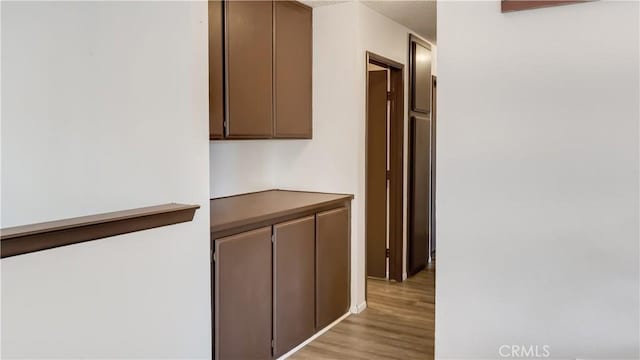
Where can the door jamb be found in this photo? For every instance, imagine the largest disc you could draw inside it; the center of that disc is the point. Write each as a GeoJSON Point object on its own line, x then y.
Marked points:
{"type": "Point", "coordinates": [396, 161]}
{"type": "Point", "coordinates": [434, 126]}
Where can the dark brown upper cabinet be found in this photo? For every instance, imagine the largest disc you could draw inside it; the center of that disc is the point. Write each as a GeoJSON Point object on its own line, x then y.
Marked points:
{"type": "Point", "coordinates": [249, 69]}
{"type": "Point", "coordinates": [260, 72]}
{"type": "Point", "coordinates": [421, 75]}
{"type": "Point", "coordinates": [216, 79]}
{"type": "Point", "coordinates": [292, 70]}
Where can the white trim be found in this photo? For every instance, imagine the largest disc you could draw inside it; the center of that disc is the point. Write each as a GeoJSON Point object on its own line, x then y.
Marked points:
{"type": "Point", "coordinates": [316, 335]}
{"type": "Point", "coordinates": [404, 276]}
{"type": "Point", "coordinates": [357, 309]}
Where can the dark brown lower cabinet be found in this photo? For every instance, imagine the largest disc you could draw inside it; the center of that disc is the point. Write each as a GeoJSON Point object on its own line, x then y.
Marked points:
{"type": "Point", "coordinates": [332, 265]}
{"type": "Point", "coordinates": [243, 296]}
{"type": "Point", "coordinates": [293, 283]}
{"type": "Point", "coordinates": [281, 278]}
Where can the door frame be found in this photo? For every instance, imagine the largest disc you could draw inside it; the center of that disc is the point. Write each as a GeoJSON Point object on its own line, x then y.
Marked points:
{"type": "Point", "coordinates": [434, 127]}
{"type": "Point", "coordinates": [396, 162]}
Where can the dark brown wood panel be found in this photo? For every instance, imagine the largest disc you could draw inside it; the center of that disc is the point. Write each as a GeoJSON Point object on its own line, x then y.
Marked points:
{"type": "Point", "coordinates": [292, 71]}
{"type": "Point", "coordinates": [294, 283]}
{"type": "Point", "coordinates": [434, 125]}
{"type": "Point", "coordinates": [234, 214]}
{"type": "Point", "coordinates": [421, 77]}
{"type": "Point", "coordinates": [516, 5]}
{"type": "Point", "coordinates": [332, 266]}
{"type": "Point", "coordinates": [249, 69]}
{"type": "Point", "coordinates": [376, 167]}
{"type": "Point", "coordinates": [396, 179]}
{"type": "Point", "coordinates": [421, 159]}
{"type": "Point", "coordinates": [216, 69]}
{"type": "Point", "coordinates": [420, 187]}
{"type": "Point", "coordinates": [243, 296]}
{"type": "Point", "coordinates": [35, 237]}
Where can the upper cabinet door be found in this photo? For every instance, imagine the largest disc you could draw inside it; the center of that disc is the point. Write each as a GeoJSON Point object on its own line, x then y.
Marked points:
{"type": "Point", "coordinates": [292, 71]}
{"type": "Point", "coordinates": [216, 79]}
{"type": "Point", "coordinates": [421, 77]}
{"type": "Point", "coordinates": [249, 36]}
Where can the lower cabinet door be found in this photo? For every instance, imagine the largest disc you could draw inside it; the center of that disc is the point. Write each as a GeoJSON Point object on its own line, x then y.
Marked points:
{"type": "Point", "coordinates": [243, 296]}
{"type": "Point", "coordinates": [294, 283]}
{"type": "Point", "coordinates": [332, 266]}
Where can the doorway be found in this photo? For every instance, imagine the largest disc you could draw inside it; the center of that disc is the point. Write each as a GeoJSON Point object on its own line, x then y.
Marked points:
{"type": "Point", "coordinates": [384, 167]}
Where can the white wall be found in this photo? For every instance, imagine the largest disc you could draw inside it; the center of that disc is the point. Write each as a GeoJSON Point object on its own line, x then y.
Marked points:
{"type": "Point", "coordinates": [105, 108]}
{"type": "Point", "coordinates": [537, 202]}
{"type": "Point", "coordinates": [241, 166]}
{"type": "Point", "coordinates": [334, 160]}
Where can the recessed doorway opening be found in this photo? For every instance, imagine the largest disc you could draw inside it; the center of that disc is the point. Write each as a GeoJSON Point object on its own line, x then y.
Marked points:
{"type": "Point", "coordinates": [384, 168]}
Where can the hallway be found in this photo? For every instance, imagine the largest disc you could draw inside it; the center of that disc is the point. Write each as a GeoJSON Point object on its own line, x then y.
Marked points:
{"type": "Point", "coordinates": [397, 324]}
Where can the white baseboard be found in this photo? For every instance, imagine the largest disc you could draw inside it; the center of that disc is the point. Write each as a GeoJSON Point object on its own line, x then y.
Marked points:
{"type": "Point", "coordinates": [357, 309]}
{"type": "Point", "coordinates": [315, 336]}
{"type": "Point", "coordinates": [404, 276]}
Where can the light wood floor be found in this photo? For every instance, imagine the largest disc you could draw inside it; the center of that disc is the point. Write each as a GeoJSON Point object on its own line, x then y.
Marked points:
{"type": "Point", "coordinates": [397, 324]}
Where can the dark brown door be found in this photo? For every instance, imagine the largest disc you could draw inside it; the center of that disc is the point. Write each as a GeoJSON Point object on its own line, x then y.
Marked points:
{"type": "Point", "coordinates": [216, 80]}
{"type": "Point", "coordinates": [376, 183]}
{"type": "Point", "coordinates": [243, 296]}
{"type": "Point", "coordinates": [332, 266]}
{"type": "Point", "coordinates": [249, 69]}
{"type": "Point", "coordinates": [420, 189]}
{"type": "Point", "coordinates": [294, 279]}
{"type": "Point", "coordinates": [293, 51]}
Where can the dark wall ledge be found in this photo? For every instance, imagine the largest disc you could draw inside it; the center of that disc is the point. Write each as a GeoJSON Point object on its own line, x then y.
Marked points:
{"type": "Point", "coordinates": [35, 237]}
{"type": "Point", "coordinates": [517, 5]}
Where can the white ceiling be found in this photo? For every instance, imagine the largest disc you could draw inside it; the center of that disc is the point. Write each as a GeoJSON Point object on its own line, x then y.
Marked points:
{"type": "Point", "coordinates": [419, 16]}
{"type": "Point", "coordinates": [317, 3]}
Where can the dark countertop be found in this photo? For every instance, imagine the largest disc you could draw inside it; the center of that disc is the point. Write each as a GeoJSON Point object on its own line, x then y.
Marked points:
{"type": "Point", "coordinates": [244, 212]}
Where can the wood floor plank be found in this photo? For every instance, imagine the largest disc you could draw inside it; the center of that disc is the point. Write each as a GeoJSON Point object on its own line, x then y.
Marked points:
{"type": "Point", "coordinates": [398, 324]}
